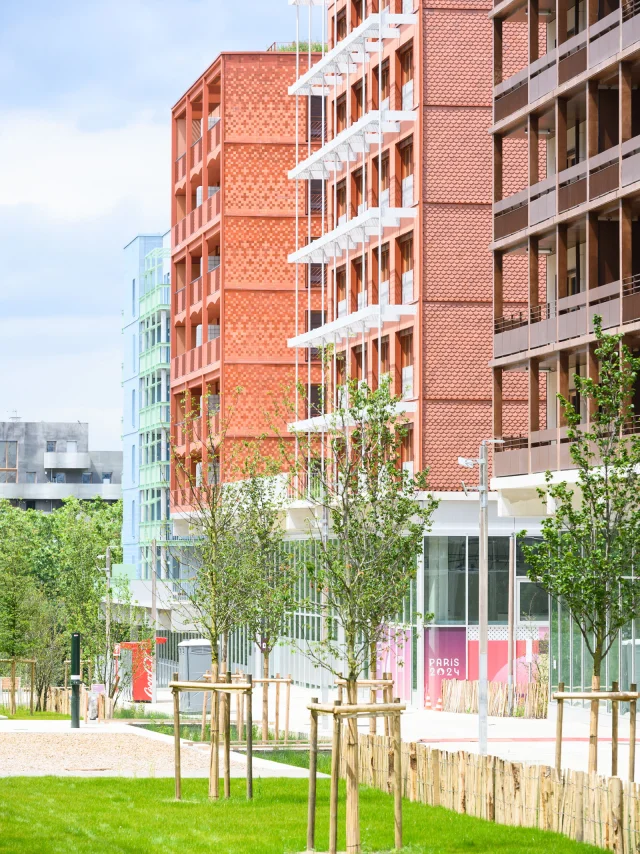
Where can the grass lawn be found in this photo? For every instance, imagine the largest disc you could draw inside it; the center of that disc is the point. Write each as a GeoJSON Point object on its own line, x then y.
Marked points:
{"type": "Point", "coordinates": [300, 758]}
{"type": "Point", "coordinates": [22, 714]}
{"type": "Point", "coordinates": [57, 815]}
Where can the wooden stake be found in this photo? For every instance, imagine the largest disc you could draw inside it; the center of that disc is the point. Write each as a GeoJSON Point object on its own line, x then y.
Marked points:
{"type": "Point", "coordinates": [593, 728]}
{"type": "Point", "coordinates": [352, 775]}
{"type": "Point", "coordinates": [287, 705]}
{"type": "Point", "coordinates": [397, 782]}
{"type": "Point", "coordinates": [386, 698]}
{"type": "Point", "coordinates": [250, 738]}
{"type": "Point", "coordinates": [214, 766]}
{"type": "Point", "coordinates": [373, 728]}
{"type": "Point", "coordinates": [614, 733]}
{"type": "Point", "coordinates": [176, 737]}
{"type": "Point", "coordinates": [227, 742]}
{"type": "Point", "coordinates": [579, 806]}
{"type": "Point", "coordinates": [241, 718]}
{"type": "Point", "coordinates": [277, 734]}
{"type": "Point", "coordinates": [616, 813]}
{"type": "Point", "coordinates": [12, 705]}
{"type": "Point", "coordinates": [632, 734]}
{"type": "Point", "coordinates": [335, 776]}
{"type": "Point", "coordinates": [313, 767]}
{"type": "Point", "coordinates": [559, 712]}
{"type": "Point", "coordinates": [33, 686]}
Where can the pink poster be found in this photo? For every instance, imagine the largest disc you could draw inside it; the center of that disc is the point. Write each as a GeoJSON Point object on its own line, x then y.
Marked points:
{"type": "Point", "coordinates": [445, 653]}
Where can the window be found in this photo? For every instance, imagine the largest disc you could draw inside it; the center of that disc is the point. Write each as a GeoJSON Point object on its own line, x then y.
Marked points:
{"type": "Point", "coordinates": [72, 447]}
{"type": "Point", "coordinates": [106, 476]}
{"type": "Point", "coordinates": [383, 288]}
{"type": "Point", "coordinates": [51, 446]}
{"type": "Point", "coordinates": [133, 297]}
{"type": "Point", "coordinates": [406, 79]}
{"type": "Point", "coordinates": [533, 602]}
{"type": "Point", "coordinates": [31, 477]}
{"type": "Point", "coordinates": [59, 477]}
{"type": "Point", "coordinates": [498, 579]}
{"type": "Point", "coordinates": [341, 25]}
{"type": "Point", "coordinates": [359, 104]}
{"type": "Point", "coordinates": [445, 579]}
{"type": "Point", "coordinates": [315, 319]}
{"type": "Point", "coordinates": [318, 111]}
{"type": "Point", "coordinates": [385, 183]}
{"type": "Point", "coordinates": [341, 290]}
{"type": "Point", "coordinates": [406, 268]}
{"type": "Point", "coordinates": [359, 192]}
{"type": "Point", "coordinates": [406, 360]}
{"type": "Point", "coordinates": [8, 455]}
{"type": "Point", "coordinates": [316, 198]}
{"type": "Point", "coordinates": [341, 202]}
{"type": "Point", "coordinates": [133, 463]}
{"type": "Point", "coordinates": [7, 476]}
{"type": "Point", "coordinates": [406, 173]}
{"type": "Point", "coordinates": [133, 407]}
{"type": "Point", "coordinates": [341, 113]}
{"type": "Point", "coordinates": [385, 86]}
{"type": "Point", "coordinates": [86, 477]}
{"type": "Point", "coordinates": [315, 400]}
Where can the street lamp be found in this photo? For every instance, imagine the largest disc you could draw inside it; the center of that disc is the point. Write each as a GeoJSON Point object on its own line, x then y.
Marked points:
{"type": "Point", "coordinates": [482, 461]}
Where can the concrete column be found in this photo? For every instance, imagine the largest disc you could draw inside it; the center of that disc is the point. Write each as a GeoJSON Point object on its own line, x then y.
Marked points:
{"type": "Point", "coordinates": [533, 144]}
{"type": "Point", "coordinates": [497, 402]}
{"type": "Point", "coordinates": [534, 24]}
{"type": "Point", "coordinates": [626, 249]}
{"type": "Point", "coordinates": [561, 135]}
{"type": "Point", "coordinates": [497, 167]}
{"type": "Point", "coordinates": [497, 51]}
{"type": "Point", "coordinates": [592, 117]}
{"type": "Point", "coordinates": [624, 112]}
{"type": "Point", "coordinates": [498, 286]}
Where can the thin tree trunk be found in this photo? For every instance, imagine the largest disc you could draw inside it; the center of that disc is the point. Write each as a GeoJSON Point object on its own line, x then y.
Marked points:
{"type": "Point", "coordinates": [265, 697]}
{"type": "Point", "coordinates": [353, 813]}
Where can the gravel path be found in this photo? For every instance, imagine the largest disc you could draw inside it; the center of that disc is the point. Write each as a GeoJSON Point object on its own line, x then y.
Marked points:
{"type": "Point", "coordinates": [98, 754]}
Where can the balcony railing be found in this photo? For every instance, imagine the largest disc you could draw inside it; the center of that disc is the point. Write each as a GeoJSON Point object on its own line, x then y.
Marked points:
{"type": "Point", "coordinates": [600, 42]}
{"type": "Point", "coordinates": [407, 191]}
{"type": "Point", "coordinates": [407, 382]}
{"type": "Point", "coordinates": [196, 219]}
{"type": "Point", "coordinates": [568, 317]}
{"type": "Point", "coordinates": [316, 275]}
{"type": "Point", "coordinates": [407, 287]}
{"type": "Point", "coordinates": [214, 135]}
{"type": "Point", "coordinates": [196, 152]}
{"type": "Point", "coordinates": [200, 357]}
{"type": "Point", "coordinates": [180, 167]}
{"type": "Point", "coordinates": [181, 300]}
{"type": "Point", "coordinates": [604, 173]}
{"type": "Point", "coordinates": [213, 279]}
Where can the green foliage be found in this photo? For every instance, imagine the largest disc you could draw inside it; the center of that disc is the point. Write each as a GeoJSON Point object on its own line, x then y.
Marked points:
{"type": "Point", "coordinates": [588, 551]}
{"type": "Point", "coordinates": [368, 526]}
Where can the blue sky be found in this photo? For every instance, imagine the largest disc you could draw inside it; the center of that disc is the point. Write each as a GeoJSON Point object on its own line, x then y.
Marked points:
{"type": "Point", "coordinates": [85, 92]}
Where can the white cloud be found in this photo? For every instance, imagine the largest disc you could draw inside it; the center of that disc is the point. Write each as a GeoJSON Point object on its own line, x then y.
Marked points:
{"type": "Point", "coordinates": [83, 174]}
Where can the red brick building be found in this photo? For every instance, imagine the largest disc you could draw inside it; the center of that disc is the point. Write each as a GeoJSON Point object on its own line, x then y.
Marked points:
{"type": "Point", "coordinates": [407, 165]}
{"type": "Point", "coordinates": [233, 218]}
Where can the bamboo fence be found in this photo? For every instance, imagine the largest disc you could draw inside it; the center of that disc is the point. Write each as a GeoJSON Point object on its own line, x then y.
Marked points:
{"type": "Point", "coordinates": [59, 700]}
{"type": "Point", "coordinates": [585, 807]}
{"type": "Point", "coordinates": [529, 701]}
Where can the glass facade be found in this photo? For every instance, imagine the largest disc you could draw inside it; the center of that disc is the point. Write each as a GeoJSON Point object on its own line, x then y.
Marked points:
{"type": "Point", "coordinates": [451, 572]}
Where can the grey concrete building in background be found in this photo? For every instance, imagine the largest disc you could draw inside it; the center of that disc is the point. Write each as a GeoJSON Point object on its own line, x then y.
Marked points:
{"type": "Point", "coordinates": [43, 462]}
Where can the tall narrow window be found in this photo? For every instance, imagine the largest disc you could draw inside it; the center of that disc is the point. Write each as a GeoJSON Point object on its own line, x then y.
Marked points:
{"type": "Point", "coordinates": [315, 196]}
{"type": "Point", "coordinates": [406, 78]}
{"type": "Point", "coordinates": [406, 364]}
{"type": "Point", "coordinates": [341, 288]}
{"type": "Point", "coordinates": [406, 173]}
{"type": "Point", "coordinates": [341, 113]}
{"type": "Point", "coordinates": [133, 463]}
{"type": "Point", "coordinates": [406, 261]}
{"type": "Point", "coordinates": [359, 95]}
{"type": "Point", "coordinates": [133, 297]}
{"type": "Point", "coordinates": [341, 25]}
{"type": "Point", "coordinates": [317, 126]}
{"type": "Point", "coordinates": [314, 319]}
{"type": "Point", "coordinates": [359, 201]}
{"type": "Point", "coordinates": [315, 400]}
{"type": "Point", "coordinates": [385, 183]}
{"type": "Point", "coordinates": [341, 202]}
{"type": "Point", "coordinates": [133, 407]}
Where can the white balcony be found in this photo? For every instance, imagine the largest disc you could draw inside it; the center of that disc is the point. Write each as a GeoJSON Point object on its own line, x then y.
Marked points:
{"type": "Point", "coordinates": [342, 308]}
{"type": "Point", "coordinates": [333, 421]}
{"type": "Point", "coordinates": [362, 300]}
{"type": "Point", "coordinates": [69, 460]}
{"type": "Point", "coordinates": [348, 235]}
{"type": "Point", "coordinates": [350, 53]}
{"type": "Point", "coordinates": [352, 325]}
{"type": "Point", "coordinates": [346, 146]}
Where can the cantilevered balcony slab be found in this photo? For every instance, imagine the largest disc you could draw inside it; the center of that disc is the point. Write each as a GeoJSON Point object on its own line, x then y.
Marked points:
{"type": "Point", "coordinates": [352, 325]}
{"type": "Point", "coordinates": [351, 142]}
{"type": "Point", "coordinates": [351, 52]}
{"type": "Point", "coordinates": [349, 234]}
{"type": "Point", "coordinates": [332, 421]}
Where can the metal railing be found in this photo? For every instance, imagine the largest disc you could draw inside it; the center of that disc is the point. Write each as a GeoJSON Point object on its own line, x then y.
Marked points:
{"type": "Point", "coordinates": [512, 443]}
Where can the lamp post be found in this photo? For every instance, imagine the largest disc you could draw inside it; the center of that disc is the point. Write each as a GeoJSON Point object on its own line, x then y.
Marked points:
{"type": "Point", "coordinates": [482, 461]}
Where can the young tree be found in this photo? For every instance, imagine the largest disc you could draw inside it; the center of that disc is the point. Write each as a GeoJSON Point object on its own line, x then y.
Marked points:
{"type": "Point", "coordinates": [214, 577]}
{"type": "Point", "coordinates": [262, 499]}
{"type": "Point", "coordinates": [17, 587]}
{"type": "Point", "coordinates": [368, 531]}
{"type": "Point", "coordinates": [587, 557]}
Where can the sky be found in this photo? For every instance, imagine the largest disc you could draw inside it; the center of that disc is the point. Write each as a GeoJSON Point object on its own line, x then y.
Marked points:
{"type": "Point", "coordinates": [86, 90]}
